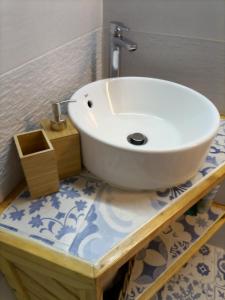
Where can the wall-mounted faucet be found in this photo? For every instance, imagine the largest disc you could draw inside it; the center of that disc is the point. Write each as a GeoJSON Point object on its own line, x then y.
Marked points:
{"type": "Point", "coordinates": [118, 41]}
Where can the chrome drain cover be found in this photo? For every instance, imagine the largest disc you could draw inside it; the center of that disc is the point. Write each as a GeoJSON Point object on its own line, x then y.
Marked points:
{"type": "Point", "coordinates": [137, 139]}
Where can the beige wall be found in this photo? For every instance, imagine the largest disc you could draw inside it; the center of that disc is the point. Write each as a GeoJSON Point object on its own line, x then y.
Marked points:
{"type": "Point", "coordinates": [178, 40]}
{"type": "Point", "coordinates": [193, 18]}
{"type": "Point", "coordinates": [30, 28]}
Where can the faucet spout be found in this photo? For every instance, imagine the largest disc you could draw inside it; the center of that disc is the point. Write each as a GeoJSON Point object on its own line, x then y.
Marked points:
{"type": "Point", "coordinates": [125, 43]}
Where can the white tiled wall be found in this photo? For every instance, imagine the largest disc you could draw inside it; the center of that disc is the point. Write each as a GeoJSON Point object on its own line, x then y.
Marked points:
{"type": "Point", "coordinates": [196, 63]}
{"type": "Point", "coordinates": [48, 50]}
{"type": "Point", "coordinates": [30, 28]}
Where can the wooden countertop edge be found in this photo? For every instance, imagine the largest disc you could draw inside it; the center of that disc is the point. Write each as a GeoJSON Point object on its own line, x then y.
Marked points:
{"type": "Point", "coordinates": [128, 247]}
{"type": "Point", "coordinates": [184, 258]}
{"type": "Point", "coordinates": [125, 249]}
{"type": "Point", "coordinates": [38, 251]}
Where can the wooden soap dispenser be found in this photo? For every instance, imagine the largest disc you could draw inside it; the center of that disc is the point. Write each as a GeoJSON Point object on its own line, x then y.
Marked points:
{"type": "Point", "coordinates": [65, 140]}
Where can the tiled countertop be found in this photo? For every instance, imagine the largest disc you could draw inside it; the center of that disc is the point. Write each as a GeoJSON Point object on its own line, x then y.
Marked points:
{"type": "Point", "coordinates": [88, 217]}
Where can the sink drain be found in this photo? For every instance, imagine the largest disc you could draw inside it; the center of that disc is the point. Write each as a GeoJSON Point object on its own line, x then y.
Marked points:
{"type": "Point", "coordinates": [137, 139]}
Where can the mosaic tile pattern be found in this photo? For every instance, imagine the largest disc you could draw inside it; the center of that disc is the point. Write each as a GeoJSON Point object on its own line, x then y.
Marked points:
{"type": "Point", "coordinates": [165, 249]}
{"type": "Point", "coordinates": [202, 278]}
{"type": "Point", "coordinates": [87, 217]}
{"type": "Point", "coordinates": [81, 217]}
{"type": "Point", "coordinates": [56, 219]}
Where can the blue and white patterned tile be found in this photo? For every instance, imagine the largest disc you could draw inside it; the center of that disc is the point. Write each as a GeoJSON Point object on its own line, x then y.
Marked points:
{"type": "Point", "coordinates": [201, 266]}
{"type": "Point", "coordinates": [113, 216]}
{"type": "Point", "coordinates": [219, 293]}
{"type": "Point", "coordinates": [86, 218]}
{"type": "Point", "coordinates": [220, 267]}
{"type": "Point", "coordinates": [164, 250]}
{"type": "Point", "coordinates": [216, 155]}
{"type": "Point", "coordinates": [54, 219]}
{"type": "Point", "coordinates": [186, 285]}
{"type": "Point", "coordinates": [182, 287]}
{"type": "Point", "coordinates": [117, 213]}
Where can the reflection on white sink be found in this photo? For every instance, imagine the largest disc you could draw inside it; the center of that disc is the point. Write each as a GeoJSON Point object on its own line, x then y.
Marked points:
{"type": "Point", "coordinates": [178, 122]}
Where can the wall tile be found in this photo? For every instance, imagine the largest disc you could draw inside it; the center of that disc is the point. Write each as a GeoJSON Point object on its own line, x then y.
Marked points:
{"type": "Point", "coordinates": [196, 63]}
{"type": "Point", "coordinates": [26, 94]}
{"type": "Point", "coordinates": [30, 28]}
{"type": "Point", "coordinates": [193, 18]}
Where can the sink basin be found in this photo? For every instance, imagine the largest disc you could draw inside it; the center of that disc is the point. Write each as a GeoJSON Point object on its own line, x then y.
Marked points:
{"type": "Point", "coordinates": [143, 133]}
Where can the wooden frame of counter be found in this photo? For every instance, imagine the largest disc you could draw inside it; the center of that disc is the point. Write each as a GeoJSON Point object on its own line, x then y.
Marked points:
{"type": "Point", "coordinates": [181, 261]}
{"type": "Point", "coordinates": [24, 257]}
{"type": "Point", "coordinates": [128, 247]}
{"type": "Point", "coordinates": [86, 281]}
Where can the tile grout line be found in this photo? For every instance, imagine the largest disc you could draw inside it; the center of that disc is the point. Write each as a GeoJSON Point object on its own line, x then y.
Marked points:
{"type": "Point", "coordinates": [51, 51]}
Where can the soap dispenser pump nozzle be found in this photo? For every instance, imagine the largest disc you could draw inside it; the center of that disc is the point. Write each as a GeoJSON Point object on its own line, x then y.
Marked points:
{"type": "Point", "coordinates": [58, 123]}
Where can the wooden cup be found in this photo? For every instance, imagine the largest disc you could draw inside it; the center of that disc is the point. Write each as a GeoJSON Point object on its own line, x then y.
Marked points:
{"type": "Point", "coordinates": [38, 160]}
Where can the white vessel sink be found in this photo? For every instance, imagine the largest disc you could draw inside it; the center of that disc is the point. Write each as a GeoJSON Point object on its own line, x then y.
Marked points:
{"type": "Point", "coordinates": [178, 123]}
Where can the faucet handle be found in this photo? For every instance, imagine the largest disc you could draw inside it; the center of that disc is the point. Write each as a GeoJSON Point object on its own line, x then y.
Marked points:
{"type": "Point", "coordinates": [117, 28]}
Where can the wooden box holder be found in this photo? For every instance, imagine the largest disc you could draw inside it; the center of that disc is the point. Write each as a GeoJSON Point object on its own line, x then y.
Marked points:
{"type": "Point", "coordinates": [37, 157]}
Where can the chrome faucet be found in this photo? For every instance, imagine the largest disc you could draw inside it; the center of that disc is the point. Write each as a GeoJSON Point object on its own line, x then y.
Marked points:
{"type": "Point", "coordinates": [118, 41]}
